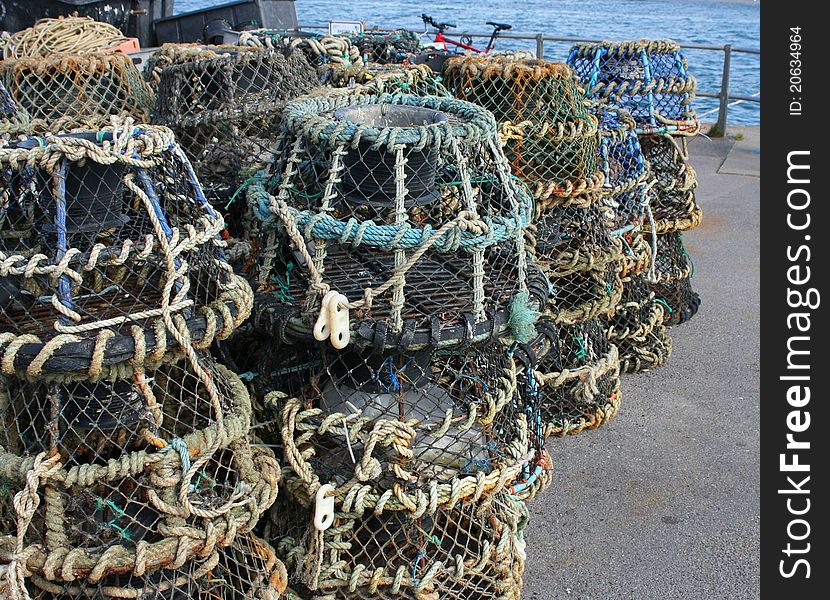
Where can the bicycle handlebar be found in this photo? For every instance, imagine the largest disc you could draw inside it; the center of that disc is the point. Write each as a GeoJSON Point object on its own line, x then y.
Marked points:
{"type": "Point", "coordinates": [439, 26]}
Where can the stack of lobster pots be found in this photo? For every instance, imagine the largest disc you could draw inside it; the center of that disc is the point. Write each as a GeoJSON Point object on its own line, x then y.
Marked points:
{"type": "Point", "coordinates": [553, 144]}
{"type": "Point", "coordinates": [395, 300]}
{"type": "Point", "coordinates": [126, 464]}
{"type": "Point", "coordinates": [636, 325]}
{"type": "Point", "coordinates": [649, 78]}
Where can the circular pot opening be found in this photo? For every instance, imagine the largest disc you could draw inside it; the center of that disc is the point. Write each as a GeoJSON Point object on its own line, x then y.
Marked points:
{"type": "Point", "coordinates": [369, 177]}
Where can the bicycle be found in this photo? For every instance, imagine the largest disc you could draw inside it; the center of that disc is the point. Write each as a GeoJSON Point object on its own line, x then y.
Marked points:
{"type": "Point", "coordinates": [440, 46]}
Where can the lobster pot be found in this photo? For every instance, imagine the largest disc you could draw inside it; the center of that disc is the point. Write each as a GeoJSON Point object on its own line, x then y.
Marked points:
{"type": "Point", "coordinates": [411, 428]}
{"type": "Point", "coordinates": [627, 175]}
{"type": "Point", "coordinates": [135, 476]}
{"type": "Point", "coordinates": [387, 47]}
{"type": "Point", "coordinates": [578, 373]}
{"type": "Point", "coordinates": [464, 551]}
{"type": "Point", "coordinates": [549, 137]}
{"type": "Point", "coordinates": [648, 78]}
{"type": "Point", "coordinates": [110, 255]}
{"type": "Point", "coordinates": [403, 207]}
{"type": "Point", "coordinates": [248, 569]}
{"type": "Point", "coordinates": [672, 198]}
{"type": "Point", "coordinates": [637, 328]}
{"type": "Point", "coordinates": [376, 78]}
{"type": "Point", "coordinates": [320, 50]}
{"type": "Point", "coordinates": [62, 92]}
{"type": "Point", "coordinates": [582, 260]}
{"type": "Point", "coordinates": [672, 283]}
{"type": "Point", "coordinates": [224, 105]}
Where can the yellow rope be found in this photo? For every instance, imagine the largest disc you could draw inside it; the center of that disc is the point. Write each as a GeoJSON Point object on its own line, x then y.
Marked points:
{"type": "Point", "coordinates": [64, 35]}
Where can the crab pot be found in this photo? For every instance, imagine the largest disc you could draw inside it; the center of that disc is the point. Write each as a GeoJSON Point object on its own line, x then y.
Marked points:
{"type": "Point", "coordinates": [576, 251]}
{"type": "Point", "coordinates": [246, 569]}
{"type": "Point", "coordinates": [105, 224]}
{"type": "Point", "coordinates": [637, 328]}
{"type": "Point", "coordinates": [578, 373]}
{"type": "Point", "coordinates": [648, 78]}
{"type": "Point", "coordinates": [674, 270]}
{"type": "Point", "coordinates": [626, 172]}
{"type": "Point", "coordinates": [672, 199]}
{"type": "Point", "coordinates": [418, 423]}
{"type": "Point", "coordinates": [396, 554]}
{"type": "Point", "coordinates": [64, 91]}
{"type": "Point", "coordinates": [373, 78]}
{"type": "Point", "coordinates": [224, 105]}
{"type": "Point", "coordinates": [407, 199]}
{"type": "Point", "coordinates": [369, 172]}
{"type": "Point", "coordinates": [194, 438]}
{"type": "Point", "coordinates": [549, 137]}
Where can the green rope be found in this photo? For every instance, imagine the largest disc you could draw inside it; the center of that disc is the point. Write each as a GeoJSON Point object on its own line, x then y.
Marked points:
{"type": "Point", "coordinates": [664, 303]}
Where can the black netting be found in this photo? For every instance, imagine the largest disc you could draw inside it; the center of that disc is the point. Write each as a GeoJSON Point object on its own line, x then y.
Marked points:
{"type": "Point", "coordinates": [672, 286]}
{"type": "Point", "coordinates": [133, 472]}
{"type": "Point", "coordinates": [224, 105]}
{"type": "Point", "coordinates": [637, 329]}
{"type": "Point", "coordinates": [575, 249]}
{"type": "Point", "coordinates": [672, 199]}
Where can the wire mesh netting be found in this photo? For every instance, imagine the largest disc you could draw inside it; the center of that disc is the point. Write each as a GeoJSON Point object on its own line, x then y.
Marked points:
{"type": "Point", "coordinates": [637, 329]}
{"type": "Point", "coordinates": [575, 249]}
{"type": "Point", "coordinates": [126, 477]}
{"type": "Point", "coordinates": [109, 254]}
{"type": "Point", "coordinates": [63, 91]}
{"type": "Point", "coordinates": [224, 106]}
{"type": "Point", "coordinates": [578, 373]}
{"type": "Point", "coordinates": [405, 207]}
{"type": "Point", "coordinates": [674, 270]}
{"type": "Point", "coordinates": [464, 552]}
{"type": "Point", "coordinates": [550, 138]}
{"type": "Point", "coordinates": [648, 78]}
{"type": "Point", "coordinates": [417, 80]}
{"type": "Point", "coordinates": [672, 198]}
{"type": "Point", "coordinates": [13, 120]}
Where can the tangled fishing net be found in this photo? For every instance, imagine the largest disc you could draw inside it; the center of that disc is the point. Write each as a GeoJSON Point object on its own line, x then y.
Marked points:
{"type": "Point", "coordinates": [109, 251]}
{"type": "Point", "coordinates": [550, 138]}
{"type": "Point", "coordinates": [415, 80]}
{"type": "Point", "coordinates": [63, 35]}
{"type": "Point", "coordinates": [399, 215]}
{"type": "Point", "coordinates": [61, 92]}
{"type": "Point", "coordinates": [648, 78]}
{"type": "Point", "coordinates": [674, 270]}
{"type": "Point", "coordinates": [578, 374]}
{"type": "Point", "coordinates": [12, 119]}
{"type": "Point", "coordinates": [224, 105]}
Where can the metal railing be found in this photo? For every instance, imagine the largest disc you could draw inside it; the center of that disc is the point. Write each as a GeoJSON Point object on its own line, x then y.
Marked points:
{"type": "Point", "coordinates": [724, 97]}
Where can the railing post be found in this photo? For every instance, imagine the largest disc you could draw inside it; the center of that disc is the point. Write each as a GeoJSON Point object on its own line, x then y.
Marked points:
{"type": "Point", "coordinates": [540, 45]}
{"type": "Point", "coordinates": [723, 110]}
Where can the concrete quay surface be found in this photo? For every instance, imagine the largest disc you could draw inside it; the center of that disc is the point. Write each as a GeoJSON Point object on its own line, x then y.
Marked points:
{"type": "Point", "coordinates": [662, 503]}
